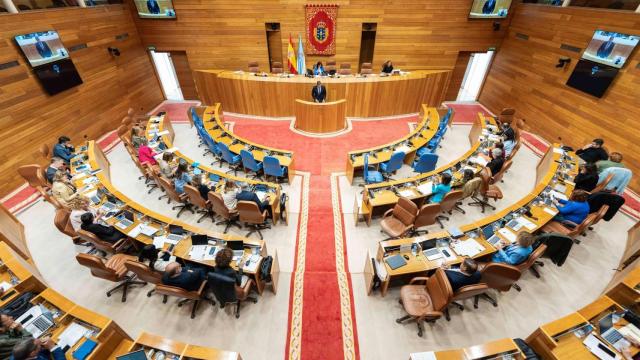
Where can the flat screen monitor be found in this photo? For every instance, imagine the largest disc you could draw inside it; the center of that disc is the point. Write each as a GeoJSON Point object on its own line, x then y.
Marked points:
{"type": "Point", "coordinates": [591, 77]}
{"type": "Point", "coordinates": [155, 9]}
{"type": "Point", "coordinates": [610, 48]}
{"type": "Point", "coordinates": [489, 9]}
{"type": "Point", "coordinates": [58, 76]}
{"type": "Point", "coordinates": [42, 47]}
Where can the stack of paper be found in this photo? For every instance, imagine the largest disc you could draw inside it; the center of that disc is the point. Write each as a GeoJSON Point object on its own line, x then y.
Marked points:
{"type": "Point", "coordinates": [147, 230]}
{"type": "Point", "coordinates": [508, 234]}
{"type": "Point", "coordinates": [552, 211]}
{"type": "Point", "coordinates": [406, 193]}
{"type": "Point", "coordinates": [468, 247]}
{"type": "Point", "coordinates": [158, 241]}
{"type": "Point", "coordinates": [526, 223]}
{"type": "Point", "coordinates": [426, 188]}
{"type": "Point", "coordinates": [254, 260]}
{"type": "Point", "coordinates": [262, 195]}
{"type": "Point", "coordinates": [558, 195]}
{"type": "Point", "coordinates": [135, 231]}
{"type": "Point", "coordinates": [479, 160]}
{"type": "Point", "coordinates": [72, 334]}
{"type": "Point", "coordinates": [198, 252]}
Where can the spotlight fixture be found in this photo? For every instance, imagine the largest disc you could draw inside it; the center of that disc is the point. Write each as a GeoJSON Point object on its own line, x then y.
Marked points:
{"type": "Point", "coordinates": [113, 51]}
{"type": "Point", "coordinates": [562, 62]}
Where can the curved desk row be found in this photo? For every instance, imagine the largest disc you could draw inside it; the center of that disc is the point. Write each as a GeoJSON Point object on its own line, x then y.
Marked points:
{"type": "Point", "coordinates": [370, 96]}
{"type": "Point", "coordinates": [424, 131]}
{"type": "Point", "coordinates": [554, 169]}
{"type": "Point", "coordinates": [111, 340]}
{"type": "Point", "coordinates": [145, 218]}
{"type": "Point", "coordinates": [162, 125]}
{"type": "Point", "coordinates": [378, 197]}
{"type": "Point", "coordinates": [214, 124]}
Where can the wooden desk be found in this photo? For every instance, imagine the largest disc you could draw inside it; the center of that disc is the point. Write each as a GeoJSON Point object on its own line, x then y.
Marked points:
{"type": "Point", "coordinates": [369, 96]}
{"type": "Point", "coordinates": [482, 351]}
{"type": "Point", "coordinates": [377, 198]}
{"type": "Point", "coordinates": [162, 124]}
{"type": "Point", "coordinates": [162, 222]}
{"type": "Point", "coordinates": [320, 118]}
{"type": "Point", "coordinates": [15, 272]}
{"type": "Point", "coordinates": [419, 265]}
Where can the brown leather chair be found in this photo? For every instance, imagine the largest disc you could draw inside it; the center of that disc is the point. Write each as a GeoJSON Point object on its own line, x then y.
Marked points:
{"type": "Point", "coordinates": [487, 191]}
{"type": "Point", "coordinates": [139, 119]}
{"type": "Point", "coordinates": [172, 195]}
{"type": "Point", "coordinates": [506, 115]}
{"type": "Point", "coordinates": [122, 131]}
{"type": "Point", "coordinates": [44, 151]}
{"type": "Point", "coordinates": [602, 185]}
{"type": "Point", "coordinates": [474, 291]}
{"type": "Point", "coordinates": [202, 206]}
{"type": "Point", "coordinates": [399, 220]}
{"type": "Point", "coordinates": [448, 203]}
{"type": "Point", "coordinates": [426, 216]}
{"type": "Point", "coordinates": [104, 246]}
{"type": "Point", "coordinates": [345, 69]}
{"type": "Point", "coordinates": [579, 229]}
{"type": "Point", "coordinates": [426, 302]}
{"type": "Point", "coordinates": [127, 122]}
{"type": "Point", "coordinates": [366, 69]}
{"type": "Point", "coordinates": [498, 177]}
{"type": "Point", "coordinates": [62, 223]}
{"type": "Point", "coordinates": [366, 65]}
{"type": "Point", "coordinates": [34, 175]}
{"type": "Point", "coordinates": [113, 270]}
{"type": "Point", "coordinates": [229, 218]}
{"type": "Point", "coordinates": [331, 66]}
{"type": "Point", "coordinates": [144, 273]}
{"type": "Point", "coordinates": [153, 171]}
{"type": "Point", "coordinates": [195, 296]}
{"type": "Point", "coordinates": [501, 277]}
{"type": "Point", "coordinates": [252, 217]}
{"type": "Point", "coordinates": [531, 263]}
{"type": "Point", "coordinates": [253, 67]}
{"type": "Point", "coordinates": [150, 179]}
{"type": "Point", "coordinates": [599, 215]}
{"type": "Point", "coordinates": [277, 68]}
{"type": "Point", "coordinates": [50, 199]}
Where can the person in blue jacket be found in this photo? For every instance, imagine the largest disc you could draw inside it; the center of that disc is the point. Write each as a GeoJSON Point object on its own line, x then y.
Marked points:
{"type": "Point", "coordinates": [441, 189]}
{"type": "Point", "coordinates": [517, 253]}
{"type": "Point", "coordinates": [37, 349]}
{"type": "Point", "coordinates": [63, 149]}
{"type": "Point", "coordinates": [153, 7]}
{"type": "Point", "coordinates": [573, 211]}
{"type": "Point", "coordinates": [489, 7]}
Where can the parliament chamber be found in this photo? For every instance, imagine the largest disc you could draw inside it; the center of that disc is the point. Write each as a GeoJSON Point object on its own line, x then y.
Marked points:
{"type": "Point", "coordinates": [424, 179]}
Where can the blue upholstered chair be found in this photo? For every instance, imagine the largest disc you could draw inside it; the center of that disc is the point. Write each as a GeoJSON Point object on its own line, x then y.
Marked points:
{"type": "Point", "coordinates": [232, 159]}
{"type": "Point", "coordinates": [371, 176]}
{"type": "Point", "coordinates": [272, 167]}
{"type": "Point", "coordinates": [425, 163]}
{"type": "Point", "coordinates": [249, 163]}
{"type": "Point", "coordinates": [394, 164]}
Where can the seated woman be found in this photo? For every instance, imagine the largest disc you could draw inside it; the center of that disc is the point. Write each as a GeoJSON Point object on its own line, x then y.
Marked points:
{"type": "Point", "coordinates": [573, 211]}
{"type": "Point", "coordinates": [587, 178]}
{"type": "Point", "coordinates": [167, 164]}
{"type": "Point", "coordinates": [146, 154]}
{"type": "Point", "coordinates": [62, 189]}
{"type": "Point", "coordinates": [509, 143]}
{"type": "Point", "coordinates": [137, 136]}
{"type": "Point", "coordinates": [182, 177]}
{"type": "Point", "coordinates": [79, 206]}
{"type": "Point", "coordinates": [517, 253]}
{"type": "Point", "coordinates": [467, 175]}
{"type": "Point", "coordinates": [441, 189]}
{"type": "Point", "coordinates": [318, 69]}
{"type": "Point", "coordinates": [199, 183]}
{"type": "Point", "coordinates": [387, 67]}
{"type": "Point", "coordinates": [156, 259]}
{"type": "Point", "coordinates": [229, 195]}
{"type": "Point", "coordinates": [105, 233]}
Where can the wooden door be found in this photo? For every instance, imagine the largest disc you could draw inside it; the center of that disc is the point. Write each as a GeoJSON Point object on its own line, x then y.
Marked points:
{"type": "Point", "coordinates": [458, 75]}
{"type": "Point", "coordinates": [184, 74]}
{"type": "Point", "coordinates": [274, 46]}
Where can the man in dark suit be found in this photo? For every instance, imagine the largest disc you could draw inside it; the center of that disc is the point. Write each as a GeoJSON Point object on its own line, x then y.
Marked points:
{"type": "Point", "coordinates": [466, 274]}
{"type": "Point", "coordinates": [56, 164]}
{"type": "Point", "coordinates": [188, 279]}
{"type": "Point", "coordinates": [319, 93]}
{"type": "Point", "coordinates": [37, 349]}
{"type": "Point", "coordinates": [104, 233]}
{"type": "Point", "coordinates": [247, 195]}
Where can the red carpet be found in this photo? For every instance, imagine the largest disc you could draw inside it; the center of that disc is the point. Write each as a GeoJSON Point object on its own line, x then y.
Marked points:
{"type": "Point", "coordinates": [177, 112]}
{"type": "Point", "coordinates": [466, 113]}
{"type": "Point", "coordinates": [322, 329]}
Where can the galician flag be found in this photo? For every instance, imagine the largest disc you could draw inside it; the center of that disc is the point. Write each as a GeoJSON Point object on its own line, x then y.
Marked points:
{"type": "Point", "coordinates": [291, 58]}
{"type": "Point", "coordinates": [302, 67]}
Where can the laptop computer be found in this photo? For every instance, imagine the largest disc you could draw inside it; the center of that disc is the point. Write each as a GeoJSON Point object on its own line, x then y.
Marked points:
{"type": "Point", "coordinates": [136, 355]}
{"type": "Point", "coordinates": [488, 231]}
{"type": "Point", "coordinates": [176, 229]}
{"type": "Point", "coordinates": [36, 320]}
{"type": "Point", "coordinates": [237, 247]}
{"type": "Point", "coordinates": [607, 331]}
{"type": "Point", "coordinates": [197, 239]}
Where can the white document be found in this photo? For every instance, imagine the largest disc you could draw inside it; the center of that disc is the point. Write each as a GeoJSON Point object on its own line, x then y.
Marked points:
{"type": "Point", "coordinates": [404, 148]}
{"type": "Point", "coordinates": [171, 150]}
{"type": "Point", "coordinates": [134, 232]}
{"type": "Point", "coordinates": [198, 252]}
{"type": "Point", "coordinates": [526, 223]}
{"type": "Point", "coordinates": [426, 188]}
{"type": "Point", "coordinates": [90, 180]}
{"type": "Point", "coordinates": [479, 160]}
{"type": "Point", "coordinates": [558, 195]}
{"type": "Point", "coordinates": [495, 138]}
{"type": "Point", "coordinates": [381, 271]}
{"type": "Point", "coordinates": [158, 241]}
{"type": "Point", "coordinates": [591, 342]}
{"type": "Point", "coordinates": [508, 234]}
{"type": "Point", "coordinates": [427, 355]}
{"type": "Point", "coordinates": [452, 255]}
{"type": "Point", "coordinates": [468, 247]}
{"type": "Point", "coordinates": [147, 230]}
{"type": "Point", "coordinates": [552, 211]}
{"type": "Point", "coordinates": [164, 132]}
{"type": "Point", "coordinates": [558, 150]}
{"type": "Point", "coordinates": [261, 195]}
{"type": "Point", "coordinates": [5, 286]}
{"type": "Point", "coordinates": [72, 334]}
{"type": "Point", "coordinates": [406, 193]}
{"type": "Point", "coordinates": [254, 260]}
{"type": "Point", "coordinates": [210, 255]}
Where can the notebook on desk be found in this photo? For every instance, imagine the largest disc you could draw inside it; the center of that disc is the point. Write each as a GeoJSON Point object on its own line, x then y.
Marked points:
{"type": "Point", "coordinates": [395, 261]}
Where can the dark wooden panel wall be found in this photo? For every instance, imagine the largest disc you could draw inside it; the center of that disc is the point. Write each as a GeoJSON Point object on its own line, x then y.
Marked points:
{"type": "Point", "coordinates": [415, 34]}
{"type": "Point", "coordinates": [524, 76]}
{"type": "Point", "coordinates": [30, 117]}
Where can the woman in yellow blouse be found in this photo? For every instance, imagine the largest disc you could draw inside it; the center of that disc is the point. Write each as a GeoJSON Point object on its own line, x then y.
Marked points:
{"type": "Point", "coordinates": [62, 189]}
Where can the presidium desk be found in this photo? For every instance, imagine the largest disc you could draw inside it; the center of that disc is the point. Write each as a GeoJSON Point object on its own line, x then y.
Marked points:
{"type": "Point", "coordinates": [275, 95]}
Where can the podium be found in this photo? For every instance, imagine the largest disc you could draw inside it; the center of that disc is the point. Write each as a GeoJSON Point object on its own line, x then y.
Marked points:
{"type": "Point", "coordinates": [320, 118]}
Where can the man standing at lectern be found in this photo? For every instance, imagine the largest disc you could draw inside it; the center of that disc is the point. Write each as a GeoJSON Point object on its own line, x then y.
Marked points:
{"type": "Point", "coordinates": [319, 93]}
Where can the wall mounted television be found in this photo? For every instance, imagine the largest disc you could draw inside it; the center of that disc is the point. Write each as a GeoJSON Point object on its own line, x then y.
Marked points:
{"type": "Point", "coordinates": [489, 9]}
{"type": "Point", "coordinates": [610, 48]}
{"type": "Point", "coordinates": [155, 9]}
{"type": "Point", "coordinates": [591, 77]}
{"type": "Point", "coordinates": [42, 47]}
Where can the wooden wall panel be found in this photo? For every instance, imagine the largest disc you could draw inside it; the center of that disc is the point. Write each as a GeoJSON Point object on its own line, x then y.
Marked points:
{"type": "Point", "coordinates": [225, 34]}
{"type": "Point", "coordinates": [30, 117]}
{"type": "Point", "coordinates": [457, 75]}
{"type": "Point", "coordinates": [185, 76]}
{"type": "Point", "coordinates": [524, 76]}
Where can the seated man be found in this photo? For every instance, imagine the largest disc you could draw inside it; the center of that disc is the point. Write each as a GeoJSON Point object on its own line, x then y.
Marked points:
{"type": "Point", "coordinates": [466, 274]}
{"type": "Point", "coordinates": [55, 165]}
{"type": "Point", "coordinates": [188, 279]}
{"type": "Point", "coordinates": [615, 160]}
{"type": "Point", "coordinates": [11, 333]}
{"type": "Point", "coordinates": [37, 349]}
{"type": "Point", "coordinates": [105, 233]}
{"type": "Point", "coordinates": [514, 254]}
{"type": "Point", "coordinates": [497, 161]}
{"type": "Point", "coordinates": [247, 195]}
{"type": "Point", "coordinates": [593, 152]}
{"type": "Point", "coordinates": [63, 149]}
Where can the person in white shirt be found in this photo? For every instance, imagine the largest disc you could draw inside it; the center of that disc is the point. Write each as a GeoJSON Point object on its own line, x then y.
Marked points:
{"type": "Point", "coordinates": [167, 164]}
{"type": "Point", "coordinates": [79, 206]}
{"type": "Point", "coordinates": [155, 258]}
{"type": "Point", "coordinates": [229, 195]}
